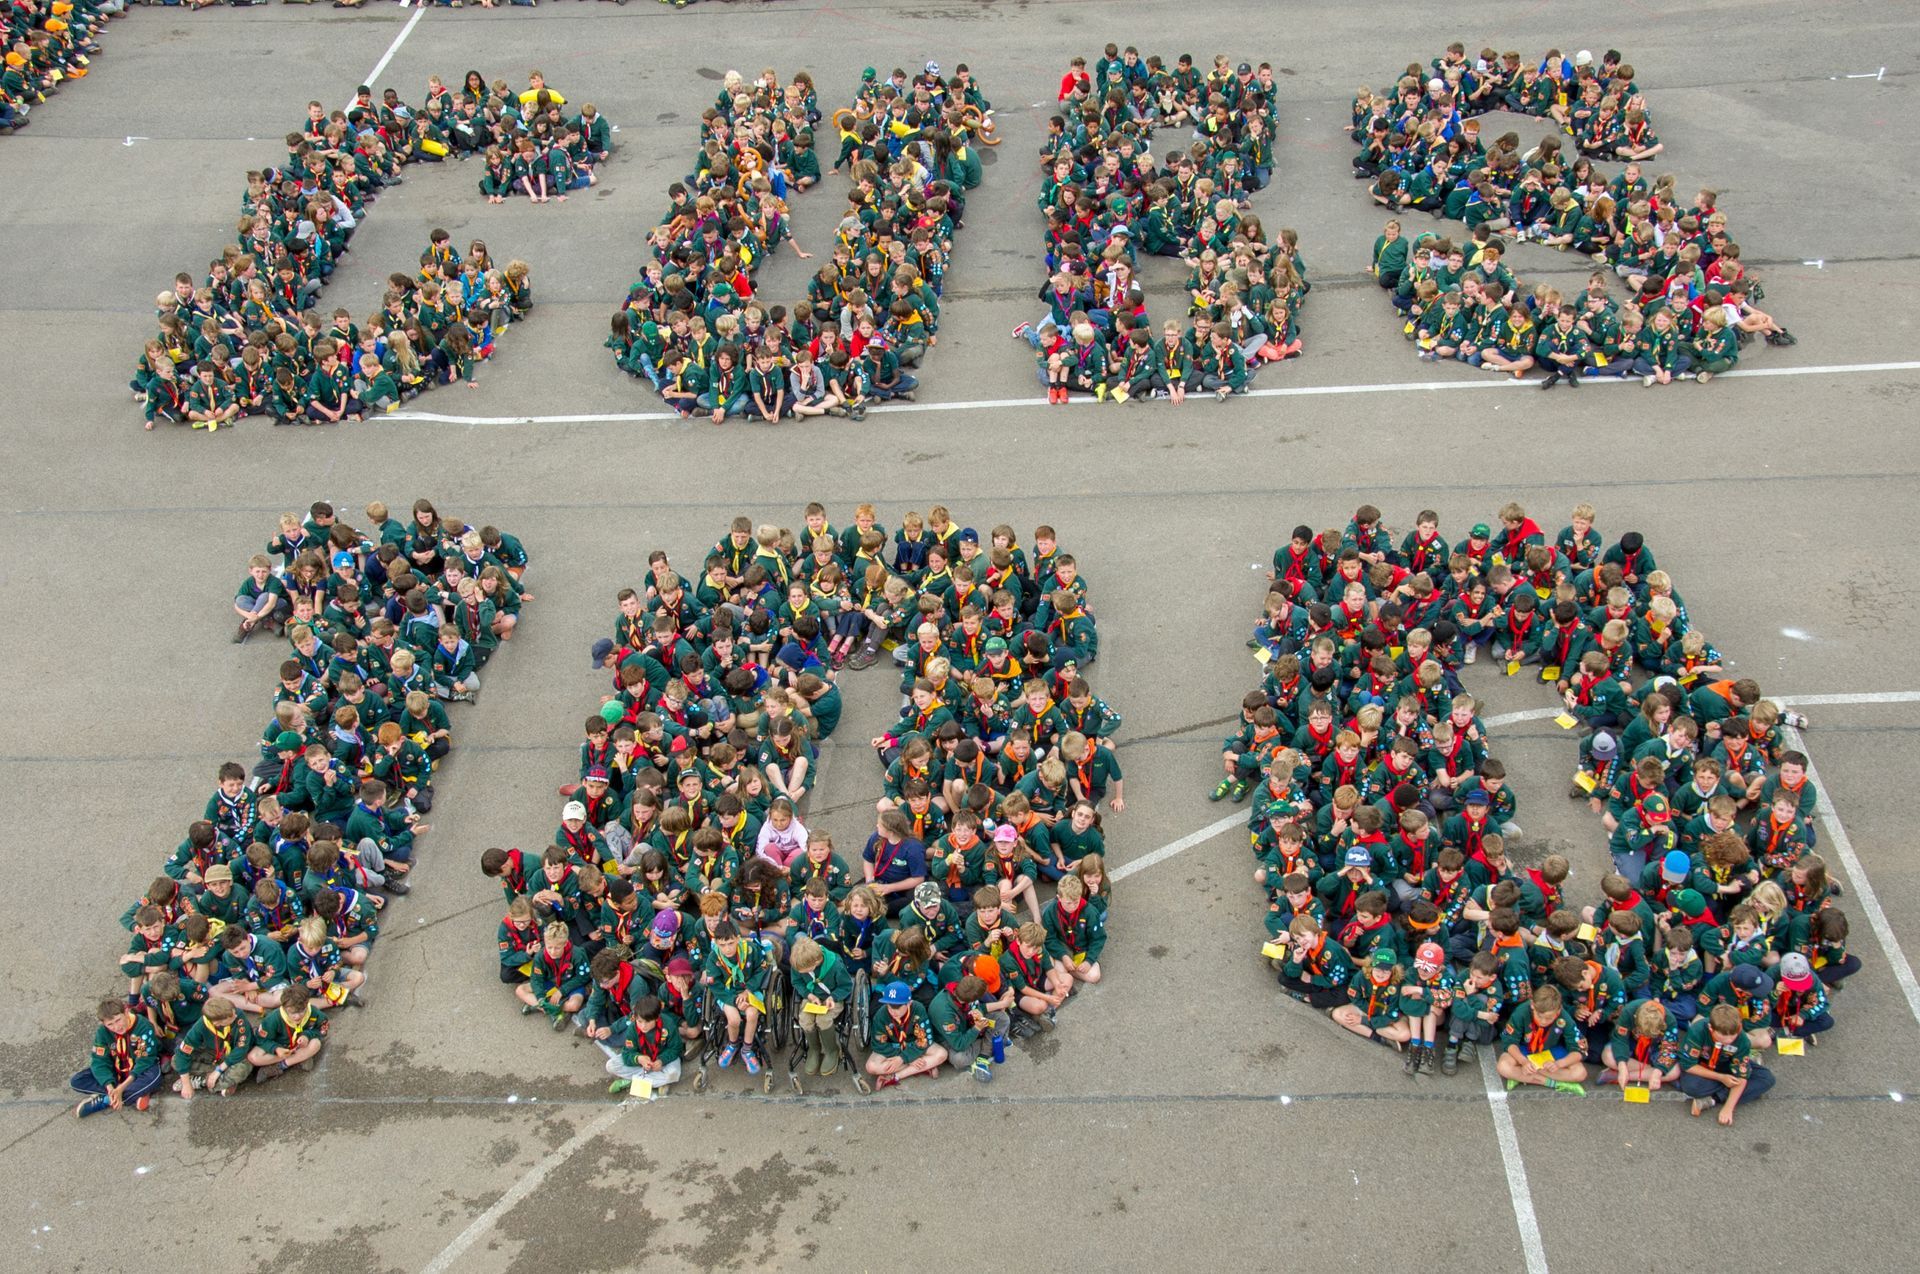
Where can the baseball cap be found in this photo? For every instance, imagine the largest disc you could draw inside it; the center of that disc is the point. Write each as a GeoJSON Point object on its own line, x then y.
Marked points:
{"type": "Point", "coordinates": [896, 994]}
{"type": "Point", "coordinates": [220, 871]}
{"type": "Point", "coordinates": [342, 559]}
{"type": "Point", "coordinates": [996, 645]}
{"type": "Point", "coordinates": [926, 894]}
{"type": "Point", "coordinates": [680, 966]}
{"type": "Point", "coordinates": [1655, 807]}
{"type": "Point", "coordinates": [287, 741]}
{"type": "Point", "coordinates": [667, 924]}
{"type": "Point", "coordinates": [1749, 978]}
{"type": "Point", "coordinates": [572, 809]}
{"type": "Point", "coordinates": [933, 68]}
{"type": "Point", "coordinates": [1383, 959]}
{"type": "Point", "coordinates": [1796, 971]}
{"type": "Point", "coordinates": [1246, 68]}
{"type": "Point", "coordinates": [1479, 532]}
{"type": "Point", "coordinates": [969, 536]}
{"type": "Point", "coordinates": [596, 774]}
{"type": "Point", "coordinates": [601, 649]}
{"type": "Point", "coordinates": [1690, 903]}
{"type": "Point", "coordinates": [1479, 796]}
{"type": "Point", "coordinates": [1675, 867]}
{"type": "Point", "coordinates": [1358, 857]}
{"type": "Point", "coordinates": [1430, 953]}
{"type": "Point", "coordinates": [1005, 832]}
{"type": "Point", "coordinates": [1604, 746]}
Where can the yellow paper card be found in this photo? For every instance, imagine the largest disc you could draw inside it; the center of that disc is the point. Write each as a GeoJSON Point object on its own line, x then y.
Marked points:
{"type": "Point", "coordinates": [1585, 781]}
{"type": "Point", "coordinates": [1263, 656]}
{"type": "Point", "coordinates": [641, 1090]}
{"type": "Point", "coordinates": [1689, 678]}
{"type": "Point", "coordinates": [756, 1001]}
{"type": "Point", "coordinates": [816, 1008]}
{"type": "Point", "coordinates": [1790, 1047]}
{"type": "Point", "coordinates": [1273, 951]}
{"type": "Point", "coordinates": [1513, 666]}
{"type": "Point", "coordinates": [1394, 652]}
{"type": "Point", "coordinates": [1542, 593]}
{"type": "Point", "coordinates": [1550, 673]}
{"type": "Point", "coordinates": [1080, 957]}
{"type": "Point", "coordinates": [1566, 721]}
{"type": "Point", "coordinates": [1541, 1059]}
{"type": "Point", "coordinates": [1600, 360]}
{"type": "Point", "coordinates": [1585, 933]}
{"type": "Point", "coordinates": [1635, 1095]}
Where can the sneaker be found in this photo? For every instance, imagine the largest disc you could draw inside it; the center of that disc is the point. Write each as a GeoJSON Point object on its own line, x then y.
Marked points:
{"type": "Point", "coordinates": [619, 1086]}
{"type": "Point", "coordinates": [1699, 1104]}
{"type": "Point", "coordinates": [1567, 1086]}
{"type": "Point", "coordinates": [1450, 1060]}
{"type": "Point", "coordinates": [1241, 787]}
{"type": "Point", "coordinates": [91, 1106]}
{"type": "Point", "coordinates": [1473, 652]}
{"type": "Point", "coordinates": [1020, 333]}
{"type": "Point", "coordinates": [1220, 793]}
{"type": "Point", "coordinates": [397, 887]}
{"type": "Point", "coordinates": [728, 1053]}
{"type": "Point", "coordinates": [355, 1000]}
{"type": "Point", "coordinates": [752, 1060]}
{"type": "Point", "coordinates": [982, 1071]}
{"type": "Point", "coordinates": [1608, 1075]}
{"type": "Point", "coordinates": [561, 1020]}
{"type": "Point", "coordinates": [142, 1102]}
{"type": "Point", "coordinates": [1797, 720]}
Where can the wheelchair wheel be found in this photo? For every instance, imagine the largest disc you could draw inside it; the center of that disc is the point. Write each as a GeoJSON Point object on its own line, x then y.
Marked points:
{"type": "Point", "coordinates": [861, 1005]}
{"type": "Point", "coordinates": [779, 1020]}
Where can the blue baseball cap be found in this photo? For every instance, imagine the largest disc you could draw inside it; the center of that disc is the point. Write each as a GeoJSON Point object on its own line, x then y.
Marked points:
{"type": "Point", "coordinates": [1675, 867]}
{"type": "Point", "coordinates": [342, 559]}
{"type": "Point", "coordinates": [896, 994]}
{"type": "Point", "coordinates": [1359, 857]}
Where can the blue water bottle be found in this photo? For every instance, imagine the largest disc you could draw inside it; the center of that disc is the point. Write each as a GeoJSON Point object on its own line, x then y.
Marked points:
{"type": "Point", "coordinates": [999, 1048]}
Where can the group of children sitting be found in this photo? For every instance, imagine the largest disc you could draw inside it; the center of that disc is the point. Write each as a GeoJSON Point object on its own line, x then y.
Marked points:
{"type": "Point", "coordinates": [1107, 200]}
{"type": "Point", "coordinates": [1381, 822]}
{"type": "Point", "coordinates": [248, 340]}
{"type": "Point", "coordinates": [683, 877]}
{"type": "Point", "coordinates": [264, 915]}
{"type": "Point", "coordinates": [432, 328]}
{"type": "Point", "coordinates": [1689, 304]}
{"type": "Point", "coordinates": [693, 325]}
{"type": "Point", "coordinates": [47, 43]}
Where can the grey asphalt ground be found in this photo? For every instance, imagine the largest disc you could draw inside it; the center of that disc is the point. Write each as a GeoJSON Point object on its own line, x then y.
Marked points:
{"type": "Point", "coordinates": [1184, 1115]}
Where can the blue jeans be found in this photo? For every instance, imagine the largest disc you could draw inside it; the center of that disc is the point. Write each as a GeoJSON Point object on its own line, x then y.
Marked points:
{"type": "Point", "coordinates": [1759, 1084]}
{"type": "Point", "coordinates": [144, 1082]}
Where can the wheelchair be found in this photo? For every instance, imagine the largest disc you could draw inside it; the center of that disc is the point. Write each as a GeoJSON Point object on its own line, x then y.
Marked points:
{"type": "Point", "coordinates": [855, 1026]}
{"type": "Point", "coordinates": [776, 1023]}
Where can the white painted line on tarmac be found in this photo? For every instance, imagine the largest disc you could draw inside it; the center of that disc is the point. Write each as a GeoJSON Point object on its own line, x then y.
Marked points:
{"type": "Point", "coordinates": [1180, 846]}
{"type": "Point", "coordinates": [1291, 391]}
{"type": "Point", "coordinates": [398, 40]}
{"type": "Point", "coordinates": [1880, 696]}
{"type": "Point", "coordinates": [1857, 874]}
{"type": "Point", "coordinates": [1532, 1246]}
{"type": "Point", "coordinates": [526, 1185]}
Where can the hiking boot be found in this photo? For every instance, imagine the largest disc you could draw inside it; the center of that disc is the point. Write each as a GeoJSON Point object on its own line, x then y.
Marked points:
{"type": "Point", "coordinates": [1411, 1063]}
{"type": "Point", "coordinates": [1426, 1059]}
{"type": "Point", "coordinates": [1450, 1060]}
